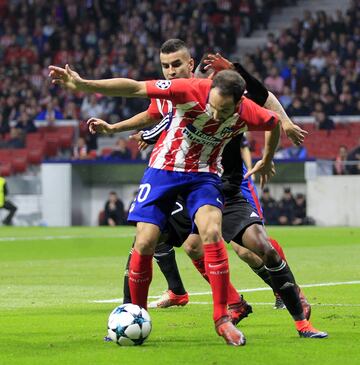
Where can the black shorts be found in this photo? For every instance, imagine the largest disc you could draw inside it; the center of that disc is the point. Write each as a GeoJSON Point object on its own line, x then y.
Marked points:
{"type": "Point", "coordinates": [178, 226]}
{"type": "Point", "coordinates": [237, 216]}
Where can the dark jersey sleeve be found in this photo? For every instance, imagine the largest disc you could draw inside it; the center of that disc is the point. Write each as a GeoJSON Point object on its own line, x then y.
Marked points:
{"type": "Point", "coordinates": [256, 91]}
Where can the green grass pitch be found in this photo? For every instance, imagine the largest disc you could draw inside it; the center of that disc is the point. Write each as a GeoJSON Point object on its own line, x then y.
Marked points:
{"type": "Point", "coordinates": [50, 279]}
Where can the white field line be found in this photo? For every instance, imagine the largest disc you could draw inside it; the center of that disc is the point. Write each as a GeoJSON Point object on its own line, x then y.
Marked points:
{"type": "Point", "coordinates": [272, 303]}
{"type": "Point", "coordinates": [50, 238]}
{"type": "Point", "coordinates": [354, 282]}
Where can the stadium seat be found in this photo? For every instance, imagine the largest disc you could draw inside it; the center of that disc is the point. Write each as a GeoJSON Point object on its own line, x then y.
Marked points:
{"type": "Point", "coordinates": [51, 140]}
{"type": "Point", "coordinates": [66, 135]}
{"type": "Point", "coordinates": [36, 154]}
{"type": "Point", "coordinates": [5, 169]}
{"type": "Point", "coordinates": [106, 151]}
{"type": "Point", "coordinates": [133, 147]}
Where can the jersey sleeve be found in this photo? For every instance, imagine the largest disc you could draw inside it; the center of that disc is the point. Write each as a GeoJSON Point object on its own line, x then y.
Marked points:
{"type": "Point", "coordinates": [174, 90]}
{"type": "Point", "coordinates": [256, 117]}
{"type": "Point", "coordinates": [256, 90]}
{"type": "Point", "coordinates": [179, 91]}
{"type": "Point", "coordinates": [153, 110]}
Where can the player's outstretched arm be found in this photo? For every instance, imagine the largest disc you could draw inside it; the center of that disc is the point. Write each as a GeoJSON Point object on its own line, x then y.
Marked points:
{"type": "Point", "coordinates": [265, 167]}
{"type": "Point", "coordinates": [138, 121]}
{"type": "Point", "coordinates": [69, 79]}
{"type": "Point", "coordinates": [293, 131]}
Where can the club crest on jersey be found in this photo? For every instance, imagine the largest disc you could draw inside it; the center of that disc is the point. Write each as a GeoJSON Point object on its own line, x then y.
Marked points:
{"type": "Point", "coordinates": [163, 84]}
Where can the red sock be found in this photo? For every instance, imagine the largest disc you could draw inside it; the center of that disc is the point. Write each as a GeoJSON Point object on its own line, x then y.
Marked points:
{"type": "Point", "coordinates": [217, 269]}
{"type": "Point", "coordinates": [278, 248]}
{"type": "Point", "coordinates": [233, 295]}
{"type": "Point", "coordinates": [140, 275]}
{"type": "Point", "coordinates": [200, 266]}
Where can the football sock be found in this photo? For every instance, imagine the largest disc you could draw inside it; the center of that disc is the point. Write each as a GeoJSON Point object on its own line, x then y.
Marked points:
{"type": "Point", "coordinates": [263, 274]}
{"type": "Point", "coordinates": [278, 248]}
{"type": "Point", "coordinates": [126, 290]}
{"type": "Point", "coordinates": [233, 295]}
{"type": "Point", "coordinates": [140, 275]}
{"type": "Point", "coordinates": [200, 266]}
{"type": "Point", "coordinates": [217, 269]}
{"type": "Point", "coordinates": [165, 258]}
{"type": "Point", "coordinates": [283, 283]}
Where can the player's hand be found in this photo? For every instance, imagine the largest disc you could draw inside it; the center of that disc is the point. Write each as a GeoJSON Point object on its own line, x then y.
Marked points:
{"type": "Point", "coordinates": [294, 133]}
{"type": "Point", "coordinates": [66, 77]}
{"type": "Point", "coordinates": [97, 125]}
{"type": "Point", "coordinates": [265, 169]}
{"type": "Point", "coordinates": [217, 62]}
{"type": "Point", "coordinates": [141, 144]}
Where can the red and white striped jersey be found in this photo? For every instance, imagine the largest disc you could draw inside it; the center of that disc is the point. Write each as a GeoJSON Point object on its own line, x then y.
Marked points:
{"type": "Point", "coordinates": [193, 141]}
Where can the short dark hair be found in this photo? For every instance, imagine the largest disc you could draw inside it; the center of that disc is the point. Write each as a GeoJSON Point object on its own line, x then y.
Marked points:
{"type": "Point", "coordinates": [173, 45]}
{"type": "Point", "coordinates": [229, 83]}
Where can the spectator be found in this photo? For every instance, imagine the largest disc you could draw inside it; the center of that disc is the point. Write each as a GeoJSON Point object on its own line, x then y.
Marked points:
{"type": "Point", "coordinates": [323, 122]}
{"type": "Point", "coordinates": [286, 208]}
{"type": "Point", "coordinates": [25, 123]}
{"type": "Point", "coordinates": [274, 82]}
{"type": "Point", "coordinates": [16, 140]}
{"type": "Point", "coordinates": [340, 165]}
{"type": "Point", "coordinates": [354, 158]}
{"type": "Point", "coordinates": [50, 114]}
{"type": "Point", "coordinates": [114, 214]}
{"type": "Point", "coordinates": [5, 203]}
{"type": "Point", "coordinates": [80, 150]}
{"type": "Point", "coordinates": [300, 217]}
{"type": "Point", "coordinates": [91, 107]}
{"type": "Point", "coordinates": [4, 126]}
{"type": "Point", "coordinates": [121, 150]}
{"type": "Point", "coordinates": [270, 208]}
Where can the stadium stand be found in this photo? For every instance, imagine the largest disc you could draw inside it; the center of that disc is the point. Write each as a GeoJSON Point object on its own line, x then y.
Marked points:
{"type": "Point", "coordinates": [312, 66]}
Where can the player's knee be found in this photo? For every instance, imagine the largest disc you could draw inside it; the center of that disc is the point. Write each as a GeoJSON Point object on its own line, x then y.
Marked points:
{"type": "Point", "coordinates": [144, 246]}
{"type": "Point", "coordinates": [211, 233]}
{"type": "Point", "coordinates": [271, 256]}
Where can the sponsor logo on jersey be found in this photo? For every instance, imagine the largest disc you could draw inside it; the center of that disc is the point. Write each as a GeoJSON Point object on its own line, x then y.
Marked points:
{"type": "Point", "coordinates": [163, 84]}
{"type": "Point", "coordinates": [198, 136]}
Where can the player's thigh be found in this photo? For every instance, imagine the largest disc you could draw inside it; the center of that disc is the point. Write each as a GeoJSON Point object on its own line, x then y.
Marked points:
{"type": "Point", "coordinates": [208, 220]}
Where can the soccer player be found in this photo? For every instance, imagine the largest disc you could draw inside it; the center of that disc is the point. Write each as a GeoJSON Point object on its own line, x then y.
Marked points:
{"type": "Point", "coordinates": [185, 160]}
{"type": "Point", "coordinates": [176, 62]}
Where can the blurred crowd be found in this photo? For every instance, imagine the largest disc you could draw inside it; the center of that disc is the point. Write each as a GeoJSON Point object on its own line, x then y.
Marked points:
{"type": "Point", "coordinates": [290, 210]}
{"type": "Point", "coordinates": [102, 39]}
{"type": "Point", "coordinates": [314, 65]}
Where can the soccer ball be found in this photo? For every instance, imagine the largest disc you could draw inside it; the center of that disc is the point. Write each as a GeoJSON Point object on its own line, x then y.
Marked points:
{"type": "Point", "coordinates": [129, 325]}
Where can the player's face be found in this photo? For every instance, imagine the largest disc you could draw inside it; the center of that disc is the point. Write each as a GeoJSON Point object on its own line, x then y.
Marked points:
{"type": "Point", "coordinates": [221, 107]}
{"type": "Point", "coordinates": [176, 65]}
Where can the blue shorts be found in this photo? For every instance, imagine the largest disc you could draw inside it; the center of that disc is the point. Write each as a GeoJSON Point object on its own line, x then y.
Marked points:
{"type": "Point", "coordinates": [159, 189]}
{"type": "Point", "coordinates": [249, 192]}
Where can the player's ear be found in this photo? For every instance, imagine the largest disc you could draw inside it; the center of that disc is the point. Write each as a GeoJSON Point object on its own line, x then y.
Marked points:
{"type": "Point", "coordinates": [191, 64]}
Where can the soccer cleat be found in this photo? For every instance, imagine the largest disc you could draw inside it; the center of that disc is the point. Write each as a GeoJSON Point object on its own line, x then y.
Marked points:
{"type": "Point", "coordinates": [169, 299]}
{"type": "Point", "coordinates": [229, 332]}
{"type": "Point", "coordinates": [306, 330]}
{"type": "Point", "coordinates": [239, 311]}
{"type": "Point", "coordinates": [107, 339]}
{"type": "Point", "coordinates": [279, 304]}
{"type": "Point", "coordinates": [305, 304]}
